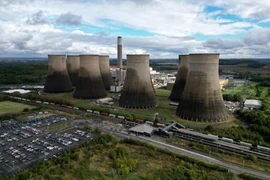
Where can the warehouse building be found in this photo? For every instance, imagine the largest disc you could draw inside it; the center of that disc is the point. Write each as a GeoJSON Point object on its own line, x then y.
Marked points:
{"type": "Point", "coordinates": [143, 129]}
{"type": "Point", "coordinates": [252, 104]}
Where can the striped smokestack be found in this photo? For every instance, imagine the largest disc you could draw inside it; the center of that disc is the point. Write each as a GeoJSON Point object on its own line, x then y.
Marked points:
{"type": "Point", "coordinates": [119, 52]}
{"type": "Point", "coordinates": [90, 84]}
{"type": "Point", "coordinates": [57, 80]}
{"type": "Point", "coordinates": [73, 66]}
{"type": "Point", "coordinates": [202, 99]}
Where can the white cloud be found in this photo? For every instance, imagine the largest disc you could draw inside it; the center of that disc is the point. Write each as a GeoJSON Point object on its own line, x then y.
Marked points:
{"type": "Point", "coordinates": [27, 28]}
{"type": "Point", "coordinates": [69, 19]}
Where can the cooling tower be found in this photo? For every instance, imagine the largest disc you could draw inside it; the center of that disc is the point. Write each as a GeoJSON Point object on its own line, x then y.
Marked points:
{"type": "Point", "coordinates": [73, 66]}
{"type": "Point", "coordinates": [202, 99]}
{"type": "Point", "coordinates": [90, 84]}
{"type": "Point", "coordinates": [119, 52]}
{"type": "Point", "coordinates": [57, 78]}
{"type": "Point", "coordinates": [138, 91]}
{"type": "Point", "coordinates": [181, 77]}
{"type": "Point", "coordinates": [104, 66]}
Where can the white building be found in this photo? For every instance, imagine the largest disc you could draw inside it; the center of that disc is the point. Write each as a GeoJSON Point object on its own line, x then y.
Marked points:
{"type": "Point", "coordinates": [104, 100]}
{"type": "Point", "coordinates": [252, 104]}
{"type": "Point", "coordinates": [21, 91]}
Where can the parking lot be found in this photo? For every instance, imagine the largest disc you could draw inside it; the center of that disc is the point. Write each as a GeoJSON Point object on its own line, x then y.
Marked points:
{"type": "Point", "coordinates": [24, 144]}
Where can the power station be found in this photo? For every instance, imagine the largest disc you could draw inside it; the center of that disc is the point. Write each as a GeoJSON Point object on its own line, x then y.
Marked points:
{"type": "Point", "coordinates": [181, 78]}
{"type": "Point", "coordinates": [73, 66]}
{"type": "Point", "coordinates": [138, 91]}
{"type": "Point", "coordinates": [202, 99]}
{"type": "Point", "coordinates": [90, 84]}
{"type": "Point", "coordinates": [57, 80]}
{"type": "Point", "coordinates": [104, 66]}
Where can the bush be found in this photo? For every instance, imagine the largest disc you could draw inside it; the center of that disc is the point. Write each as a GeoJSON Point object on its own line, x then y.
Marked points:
{"type": "Point", "coordinates": [248, 177]}
{"type": "Point", "coordinates": [252, 157]}
{"type": "Point", "coordinates": [25, 110]}
{"type": "Point", "coordinates": [209, 128]}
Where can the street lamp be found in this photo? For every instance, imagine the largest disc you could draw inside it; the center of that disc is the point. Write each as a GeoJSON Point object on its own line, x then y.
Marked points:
{"type": "Point", "coordinates": [12, 164]}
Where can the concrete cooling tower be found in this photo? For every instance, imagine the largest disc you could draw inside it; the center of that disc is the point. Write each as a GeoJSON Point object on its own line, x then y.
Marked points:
{"type": "Point", "coordinates": [90, 84]}
{"type": "Point", "coordinates": [202, 99]}
{"type": "Point", "coordinates": [104, 66]}
{"type": "Point", "coordinates": [138, 91]}
{"type": "Point", "coordinates": [57, 78]}
{"type": "Point", "coordinates": [181, 77]}
{"type": "Point", "coordinates": [73, 66]}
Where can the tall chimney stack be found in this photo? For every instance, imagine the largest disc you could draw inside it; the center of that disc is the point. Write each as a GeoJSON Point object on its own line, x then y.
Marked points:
{"type": "Point", "coordinates": [119, 52]}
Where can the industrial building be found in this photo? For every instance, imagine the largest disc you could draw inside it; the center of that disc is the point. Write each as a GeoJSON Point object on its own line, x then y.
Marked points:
{"type": "Point", "coordinates": [57, 80]}
{"type": "Point", "coordinates": [202, 99]}
{"type": "Point", "coordinates": [252, 104]}
{"type": "Point", "coordinates": [90, 84]}
{"type": "Point", "coordinates": [118, 75]}
{"type": "Point", "coordinates": [104, 66]}
{"type": "Point", "coordinates": [138, 90]}
{"type": "Point", "coordinates": [73, 66]}
{"type": "Point", "coordinates": [181, 77]}
{"type": "Point", "coordinates": [143, 129]}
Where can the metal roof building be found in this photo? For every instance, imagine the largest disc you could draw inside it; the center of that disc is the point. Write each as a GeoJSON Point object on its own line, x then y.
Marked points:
{"type": "Point", "coordinates": [143, 129]}
{"type": "Point", "coordinates": [252, 104]}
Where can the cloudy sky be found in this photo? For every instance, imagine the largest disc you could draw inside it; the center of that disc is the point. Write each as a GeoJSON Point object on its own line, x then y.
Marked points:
{"type": "Point", "coordinates": [161, 28]}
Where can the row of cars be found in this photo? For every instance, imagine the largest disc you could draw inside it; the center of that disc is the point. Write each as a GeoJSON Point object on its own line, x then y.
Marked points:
{"type": "Point", "coordinates": [48, 121]}
{"type": "Point", "coordinates": [17, 154]}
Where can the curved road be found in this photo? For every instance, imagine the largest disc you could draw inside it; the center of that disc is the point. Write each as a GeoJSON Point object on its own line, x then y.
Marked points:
{"type": "Point", "coordinates": [232, 168]}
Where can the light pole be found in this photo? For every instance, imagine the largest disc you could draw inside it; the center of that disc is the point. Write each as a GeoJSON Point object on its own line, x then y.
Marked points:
{"type": "Point", "coordinates": [12, 164]}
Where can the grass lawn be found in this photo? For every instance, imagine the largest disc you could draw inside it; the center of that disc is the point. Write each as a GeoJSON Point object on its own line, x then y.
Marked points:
{"type": "Point", "coordinates": [164, 109]}
{"type": "Point", "coordinates": [12, 107]}
{"type": "Point", "coordinates": [239, 89]}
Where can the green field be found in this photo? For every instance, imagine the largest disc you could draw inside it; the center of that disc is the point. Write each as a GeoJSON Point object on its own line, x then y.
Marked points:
{"type": "Point", "coordinates": [12, 107]}
{"type": "Point", "coordinates": [165, 111]}
{"type": "Point", "coordinates": [249, 91]}
{"type": "Point", "coordinates": [108, 158]}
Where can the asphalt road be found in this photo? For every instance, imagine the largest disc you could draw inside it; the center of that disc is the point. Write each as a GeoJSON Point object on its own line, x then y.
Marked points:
{"type": "Point", "coordinates": [232, 168]}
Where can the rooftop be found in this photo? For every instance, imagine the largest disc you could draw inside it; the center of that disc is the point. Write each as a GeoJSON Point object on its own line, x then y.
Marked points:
{"type": "Point", "coordinates": [143, 128]}
{"type": "Point", "coordinates": [253, 102]}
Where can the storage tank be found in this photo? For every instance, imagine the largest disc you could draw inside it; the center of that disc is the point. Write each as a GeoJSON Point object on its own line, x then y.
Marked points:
{"type": "Point", "coordinates": [104, 66]}
{"type": "Point", "coordinates": [202, 99]}
{"type": "Point", "coordinates": [138, 91]}
{"type": "Point", "coordinates": [57, 80]}
{"type": "Point", "coordinates": [90, 84]}
{"type": "Point", "coordinates": [73, 66]}
{"type": "Point", "coordinates": [181, 77]}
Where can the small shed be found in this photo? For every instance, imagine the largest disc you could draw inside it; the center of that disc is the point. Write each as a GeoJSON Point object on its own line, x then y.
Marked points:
{"type": "Point", "coordinates": [252, 104]}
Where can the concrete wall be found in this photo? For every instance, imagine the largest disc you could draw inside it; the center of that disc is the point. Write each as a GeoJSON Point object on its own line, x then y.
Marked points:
{"type": "Point", "coordinates": [104, 66]}
{"type": "Point", "coordinates": [90, 84]}
{"type": "Point", "coordinates": [202, 99]}
{"type": "Point", "coordinates": [138, 91]}
{"type": "Point", "coordinates": [181, 77]}
{"type": "Point", "coordinates": [73, 66]}
{"type": "Point", "coordinates": [57, 77]}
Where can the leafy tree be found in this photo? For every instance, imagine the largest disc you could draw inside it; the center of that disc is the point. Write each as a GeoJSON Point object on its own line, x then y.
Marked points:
{"type": "Point", "coordinates": [209, 128]}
